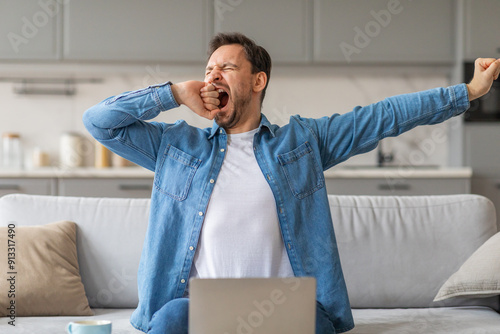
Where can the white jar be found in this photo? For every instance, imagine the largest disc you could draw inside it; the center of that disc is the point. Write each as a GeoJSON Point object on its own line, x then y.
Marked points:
{"type": "Point", "coordinates": [71, 150]}
{"type": "Point", "coordinates": [12, 153]}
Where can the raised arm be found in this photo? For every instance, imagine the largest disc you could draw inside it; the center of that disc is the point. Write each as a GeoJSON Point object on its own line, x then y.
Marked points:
{"type": "Point", "coordinates": [343, 136]}
{"type": "Point", "coordinates": [119, 123]}
{"type": "Point", "coordinates": [340, 137]}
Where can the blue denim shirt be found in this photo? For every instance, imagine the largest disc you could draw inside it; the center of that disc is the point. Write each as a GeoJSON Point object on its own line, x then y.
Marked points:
{"type": "Point", "coordinates": [187, 160]}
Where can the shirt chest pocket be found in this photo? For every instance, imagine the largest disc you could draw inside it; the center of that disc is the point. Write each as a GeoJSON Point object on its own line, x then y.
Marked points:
{"type": "Point", "coordinates": [176, 172]}
{"type": "Point", "coordinates": [302, 171]}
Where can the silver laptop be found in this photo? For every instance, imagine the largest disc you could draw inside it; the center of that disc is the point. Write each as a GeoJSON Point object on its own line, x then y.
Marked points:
{"type": "Point", "coordinates": [252, 306]}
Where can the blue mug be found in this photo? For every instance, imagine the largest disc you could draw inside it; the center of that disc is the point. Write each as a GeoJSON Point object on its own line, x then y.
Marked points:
{"type": "Point", "coordinates": [89, 327]}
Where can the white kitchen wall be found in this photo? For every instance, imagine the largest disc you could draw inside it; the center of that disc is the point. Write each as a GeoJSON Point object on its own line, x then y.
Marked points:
{"type": "Point", "coordinates": [308, 91]}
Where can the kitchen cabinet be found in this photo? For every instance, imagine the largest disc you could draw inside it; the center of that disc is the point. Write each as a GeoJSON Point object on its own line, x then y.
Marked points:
{"type": "Point", "coordinates": [381, 31]}
{"type": "Point", "coordinates": [30, 30]}
{"type": "Point", "coordinates": [106, 187]}
{"type": "Point", "coordinates": [398, 186]}
{"type": "Point", "coordinates": [293, 31]}
{"type": "Point", "coordinates": [33, 186]}
{"type": "Point", "coordinates": [130, 30]}
{"type": "Point", "coordinates": [481, 29]}
{"type": "Point", "coordinates": [282, 27]}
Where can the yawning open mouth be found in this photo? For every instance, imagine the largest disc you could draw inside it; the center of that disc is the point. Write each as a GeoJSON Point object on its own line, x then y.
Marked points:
{"type": "Point", "coordinates": [223, 98]}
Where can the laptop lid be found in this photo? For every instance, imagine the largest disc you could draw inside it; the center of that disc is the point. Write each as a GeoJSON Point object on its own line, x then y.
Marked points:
{"type": "Point", "coordinates": [252, 306]}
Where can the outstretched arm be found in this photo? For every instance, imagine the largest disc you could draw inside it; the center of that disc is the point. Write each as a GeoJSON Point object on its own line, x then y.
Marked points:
{"type": "Point", "coordinates": [343, 136]}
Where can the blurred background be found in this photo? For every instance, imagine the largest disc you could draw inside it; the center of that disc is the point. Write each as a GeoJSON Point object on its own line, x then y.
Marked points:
{"type": "Point", "coordinates": [59, 57]}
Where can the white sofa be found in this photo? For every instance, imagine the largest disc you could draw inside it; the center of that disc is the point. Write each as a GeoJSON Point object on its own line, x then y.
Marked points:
{"type": "Point", "coordinates": [396, 253]}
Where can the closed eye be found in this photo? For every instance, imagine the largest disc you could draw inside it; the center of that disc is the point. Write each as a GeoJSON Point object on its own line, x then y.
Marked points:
{"type": "Point", "coordinates": [224, 67]}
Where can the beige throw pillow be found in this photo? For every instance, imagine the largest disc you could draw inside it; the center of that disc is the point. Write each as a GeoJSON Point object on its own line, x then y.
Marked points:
{"type": "Point", "coordinates": [479, 276]}
{"type": "Point", "coordinates": [42, 277]}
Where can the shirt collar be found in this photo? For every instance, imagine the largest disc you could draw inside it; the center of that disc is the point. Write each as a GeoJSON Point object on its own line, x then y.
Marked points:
{"type": "Point", "coordinates": [263, 123]}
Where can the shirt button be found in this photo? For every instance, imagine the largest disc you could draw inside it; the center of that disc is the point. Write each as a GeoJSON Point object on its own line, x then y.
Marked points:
{"type": "Point", "coordinates": [222, 150]}
{"type": "Point", "coordinates": [200, 213]}
{"type": "Point", "coordinates": [221, 131]}
{"type": "Point", "coordinates": [183, 281]}
{"type": "Point", "coordinates": [212, 181]}
{"type": "Point", "coordinates": [191, 247]}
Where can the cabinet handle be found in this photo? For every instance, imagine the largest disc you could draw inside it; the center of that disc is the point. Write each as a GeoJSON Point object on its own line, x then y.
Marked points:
{"type": "Point", "coordinates": [9, 187]}
{"type": "Point", "coordinates": [130, 187]}
{"type": "Point", "coordinates": [388, 187]}
{"type": "Point", "coordinates": [498, 185]}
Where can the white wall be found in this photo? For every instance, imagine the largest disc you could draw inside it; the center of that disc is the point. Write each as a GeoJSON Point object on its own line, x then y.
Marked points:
{"type": "Point", "coordinates": [308, 91]}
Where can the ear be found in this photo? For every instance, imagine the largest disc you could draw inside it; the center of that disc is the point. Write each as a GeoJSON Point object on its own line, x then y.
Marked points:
{"type": "Point", "coordinates": [260, 82]}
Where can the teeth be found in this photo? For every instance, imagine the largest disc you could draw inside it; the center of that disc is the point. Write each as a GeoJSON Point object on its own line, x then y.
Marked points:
{"type": "Point", "coordinates": [221, 90]}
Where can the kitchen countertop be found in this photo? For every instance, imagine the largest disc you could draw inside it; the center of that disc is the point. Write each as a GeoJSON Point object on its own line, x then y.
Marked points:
{"type": "Point", "coordinates": [336, 172]}
{"type": "Point", "coordinates": [405, 172]}
{"type": "Point", "coordinates": [84, 172]}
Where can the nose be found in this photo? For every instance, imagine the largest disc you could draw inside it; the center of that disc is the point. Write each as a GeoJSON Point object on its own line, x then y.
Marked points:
{"type": "Point", "coordinates": [214, 75]}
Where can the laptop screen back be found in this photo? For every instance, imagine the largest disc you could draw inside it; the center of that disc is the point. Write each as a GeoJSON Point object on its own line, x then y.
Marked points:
{"type": "Point", "coordinates": [252, 306]}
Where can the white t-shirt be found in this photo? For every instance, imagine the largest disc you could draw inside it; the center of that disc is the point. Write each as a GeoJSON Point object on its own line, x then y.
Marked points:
{"type": "Point", "coordinates": [241, 236]}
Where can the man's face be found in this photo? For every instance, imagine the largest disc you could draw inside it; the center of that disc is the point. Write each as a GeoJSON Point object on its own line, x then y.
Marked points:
{"type": "Point", "coordinates": [231, 74]}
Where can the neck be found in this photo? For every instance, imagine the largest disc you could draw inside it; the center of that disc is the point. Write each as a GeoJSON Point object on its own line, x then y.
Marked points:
{"type": "Point", "coordinates": [250, 122]}
{"type": "Point", "coordinates": [249, 125]}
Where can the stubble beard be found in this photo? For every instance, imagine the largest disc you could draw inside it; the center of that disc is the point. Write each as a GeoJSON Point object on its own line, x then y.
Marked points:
{"type": "Point", "coordinates": [240, 104]}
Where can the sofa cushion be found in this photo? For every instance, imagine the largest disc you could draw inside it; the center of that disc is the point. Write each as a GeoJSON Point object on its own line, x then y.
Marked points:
{"type": "Point", "coordinates": [110, 234]}
{"type": "Point", "coordinates": [41, 276]}
{"type": "Point", "coordinates": [479, 276]}
{"type": "Point", "coordinates": [398, 251]}
{"type": "Point", "coordinates": [444, 320]}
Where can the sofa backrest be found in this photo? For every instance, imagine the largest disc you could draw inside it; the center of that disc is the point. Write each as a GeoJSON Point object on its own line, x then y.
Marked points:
{"type": "Point", "coordinates": [110, 234]}
{"type": "Point", "coordinates": [398, 251]}
{"type": "Point", "coordinates": [395, 251]}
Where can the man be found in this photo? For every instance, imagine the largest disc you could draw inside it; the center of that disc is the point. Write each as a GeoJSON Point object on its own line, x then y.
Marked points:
{"type": "Point", "coordinates": [246, 198]}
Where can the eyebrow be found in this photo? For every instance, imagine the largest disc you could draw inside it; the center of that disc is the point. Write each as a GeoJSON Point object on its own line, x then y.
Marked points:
{"type": "Point", "coordinates": [225, 64]}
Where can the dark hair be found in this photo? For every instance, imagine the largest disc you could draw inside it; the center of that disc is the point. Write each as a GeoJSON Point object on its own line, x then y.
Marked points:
{"type": "Point", "coordinates": [255, 54]}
